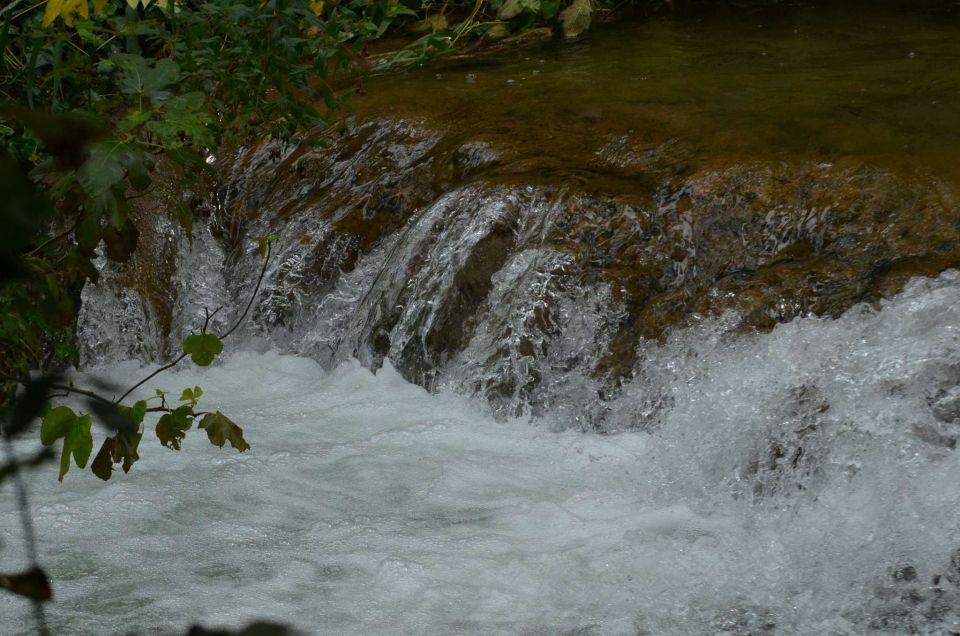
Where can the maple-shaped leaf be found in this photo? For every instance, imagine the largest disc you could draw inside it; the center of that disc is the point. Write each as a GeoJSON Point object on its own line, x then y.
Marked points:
{"type": "Point", "coordinates": [173, 427]}
{"type": "Point", "coordinates": [183, 120]}
{"type": "Point", "coordinates": [202, 348]}
{"type": "Point", "coordinates": [121, 448]}
{"type": "Point", "coordinates": [220, 430]}
{"type": "Point", "coordinates": [65, 9]}
{"type": "Point", "coordinates": [103, 169]}
{"type": "Point", "coordinates": [147, 78]}
{"type": "Point", "coordinates": [75, 431]}
{"type": "Point", "coordinates": [136, 413]}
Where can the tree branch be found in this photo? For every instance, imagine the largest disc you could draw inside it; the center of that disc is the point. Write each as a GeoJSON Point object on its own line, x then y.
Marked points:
{"type": "Point", "coordinates": [165, 367]}
{"type": "Point", "coordinates": [69, 388]}
{"type": "Point", "coordinates": [253, 296]}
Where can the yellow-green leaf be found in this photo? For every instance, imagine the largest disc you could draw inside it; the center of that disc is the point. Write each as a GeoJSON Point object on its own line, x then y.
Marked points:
{"type": "Point", "coordinates": [220, 430]}
{"type": "Point", "coordinates": [173, 427]}
{"type": "Point", "coordinates": [56, 423]}
{"type": "Point", "coordinates": [191, 395]}
{"type": "Point", "coordinates": [66, 10]}
{"type": "Point", "coordinates": [122, 447]}
{"type": "Point", "coordinates": [264, 241]}
{"type": "Point", "coordinates": [75, 431]}
{"type": "Point", "coordinates": [316, 6]}
{"type": "Point", "coordinates": [202, 348]}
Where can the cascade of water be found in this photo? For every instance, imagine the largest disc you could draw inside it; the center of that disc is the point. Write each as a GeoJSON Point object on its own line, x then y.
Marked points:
{"type": "Point", "coordinates": [700, 278]}
{"type": "Point", "coordinates": [533, 298]}
{"type": "Point", "coordinates": [795, 482]}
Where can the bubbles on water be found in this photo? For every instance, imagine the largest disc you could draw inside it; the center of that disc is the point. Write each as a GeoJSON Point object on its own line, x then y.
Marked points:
{"type": "Point", "coordinates": [787, 487]}
{"type": "Point", "coordinates": [114, 323]}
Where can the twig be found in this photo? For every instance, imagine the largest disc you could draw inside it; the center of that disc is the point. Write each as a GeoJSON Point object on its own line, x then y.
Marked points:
{"type": "Point", "coordinates": [206, 322]}
{"type": "Point", "coordinates": [52, 239]}
{"type": "Point", "coordinates": [253, 296]}
{"type": "Point", "coordinates": [165, 367]}
{"type": "Point", "coordinates": [69, 388]}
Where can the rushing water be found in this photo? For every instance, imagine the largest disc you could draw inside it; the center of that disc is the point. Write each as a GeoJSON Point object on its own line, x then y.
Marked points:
{"type": "Point", "coordinates": [802, 481]}
{"type": "Point", "coordinates": [515, 228]}
{"type": "Point", "coordinates": [626, 380]}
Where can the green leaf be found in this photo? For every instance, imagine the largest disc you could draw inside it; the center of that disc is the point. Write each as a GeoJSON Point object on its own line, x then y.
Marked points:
{"type": "Point", "coordinates": [102, 170]}
{"type": "Point", "coordinates": [202, 348]}
{"type": "Point", "coordinates": [221, 430]}
{"type": "Point", "coordinates": [191, 395]}
{"type": "Point", "coordinates": [121, 448]}
{"type": "Point", "coordinates": [264, 241]}
{"type": "Point", "coordinates": [56, 423]}
{"type": "Point", "coordinates": [136, 413]}
{"type": "Point", "coordinates": [88, 233]}
{"type": "Point", "coordinates": [138, 165]}
{"type": "Point", "coordinates": [576, 18]}
{"type": "Point", "coordinates": [173, 427]}
{"type": "Point", "coordinates": [75, 431]}
{"type": "Point", "coordinates": [184, 116]}
{"type": "Point", "coordinates": [141, 78]}
{"type": "Point", "coordinates": [80, 442]}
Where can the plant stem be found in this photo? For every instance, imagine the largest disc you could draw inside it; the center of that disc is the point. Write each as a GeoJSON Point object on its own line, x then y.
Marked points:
{"type": "Point", "coordinates": [165, 367]}
{"type": "Point", "coordinates": [253, 296]}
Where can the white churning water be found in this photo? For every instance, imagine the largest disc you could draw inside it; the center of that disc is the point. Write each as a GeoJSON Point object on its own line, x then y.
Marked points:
{"type": "Point", "coordinates": [802, 481]}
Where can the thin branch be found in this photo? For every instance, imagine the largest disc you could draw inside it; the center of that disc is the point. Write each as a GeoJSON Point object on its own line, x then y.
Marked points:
{"type": "Point", "coordinates": [165, 367]}
{"type": "Point", "coordinates": [167, 409]}
{"type": "Point", "coordinates": [263, 271]}
{"type": "Point", "coordinates": [253, 296]}
{"type": "Point", "coordinates": [206, 322]}
{"type": "Point", "coordinates": [69, 388]}
{"type": "Point", "coordinates": [53, 239]}
{"type": "Point", "coordinates": [25, 11]}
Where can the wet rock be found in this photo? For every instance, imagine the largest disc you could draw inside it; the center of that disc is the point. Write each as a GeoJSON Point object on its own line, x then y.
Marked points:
{"type": "Point", "coordinates": [402, 238]}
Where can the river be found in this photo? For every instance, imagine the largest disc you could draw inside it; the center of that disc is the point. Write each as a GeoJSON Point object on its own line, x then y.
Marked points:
{"type": "Point", "coordinates": [651, 333]}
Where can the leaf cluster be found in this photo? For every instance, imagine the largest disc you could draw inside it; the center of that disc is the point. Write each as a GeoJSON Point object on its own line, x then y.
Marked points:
{"type": "Point", "coordinates": [94, 96]}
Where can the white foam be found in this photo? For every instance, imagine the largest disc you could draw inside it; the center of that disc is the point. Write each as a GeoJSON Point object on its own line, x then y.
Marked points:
{"type": "Point", "coordinates": [367, 506]}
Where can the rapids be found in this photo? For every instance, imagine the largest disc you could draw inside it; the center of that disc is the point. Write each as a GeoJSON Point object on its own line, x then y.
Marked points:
{"type": "Point", "coordinates": [650, 333]}
{"type": "Point", "coordinates": [801, 481]}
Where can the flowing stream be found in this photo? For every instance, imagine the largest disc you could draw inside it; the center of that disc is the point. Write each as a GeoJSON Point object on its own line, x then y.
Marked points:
{"type": "Point", "coordinates": [803, 482]}
{"type": "Point", "coordinates": [628, 336]}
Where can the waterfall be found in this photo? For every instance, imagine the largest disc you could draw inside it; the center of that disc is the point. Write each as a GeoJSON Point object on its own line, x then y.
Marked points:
{"type": "Point", "coordinates": [792, 482]}
{"type": "Point", "coordinates": [647, 334]}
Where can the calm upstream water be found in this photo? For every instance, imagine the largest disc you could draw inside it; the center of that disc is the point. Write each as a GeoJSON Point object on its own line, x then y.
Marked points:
{"type": "Point", "coordinates": [657, 332]}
